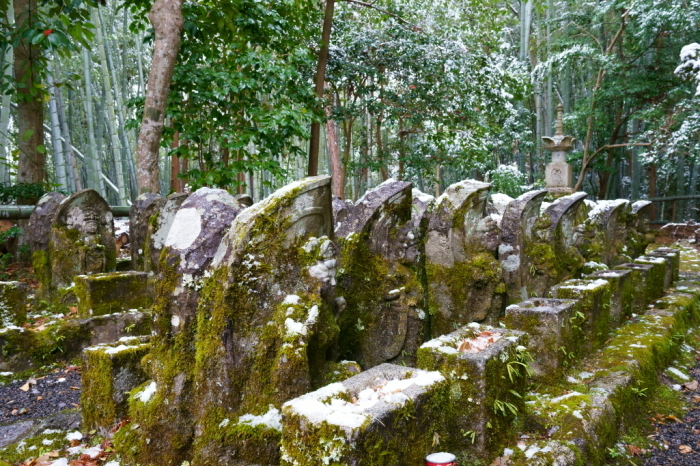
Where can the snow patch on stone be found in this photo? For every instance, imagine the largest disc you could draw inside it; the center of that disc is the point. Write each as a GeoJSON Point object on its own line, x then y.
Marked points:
{"type": "Point", "coordinates": [186, 228]}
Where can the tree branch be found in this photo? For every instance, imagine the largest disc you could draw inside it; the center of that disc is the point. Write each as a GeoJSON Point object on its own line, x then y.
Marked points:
{"type": "Point", "coordinates": [381, 10]}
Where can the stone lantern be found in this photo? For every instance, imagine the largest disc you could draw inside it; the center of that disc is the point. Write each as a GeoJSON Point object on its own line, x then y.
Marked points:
{"type": "Point", "coordinates": [558, 173]}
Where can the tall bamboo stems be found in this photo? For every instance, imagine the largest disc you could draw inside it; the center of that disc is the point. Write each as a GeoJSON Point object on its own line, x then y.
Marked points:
{"type": "Point", "coordinates": [109, 106]}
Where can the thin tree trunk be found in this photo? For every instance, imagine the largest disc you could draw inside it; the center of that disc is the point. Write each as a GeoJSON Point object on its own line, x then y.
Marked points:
{"type": "Point", "coordinates": [7, 63]}
{"type": "Point", "coordinates": [320, 79]}
{"type": "Point", "coordinates": [175, 165]}
{"type": "Point", "coordinates": [337, 170]}
{"type": "Point", "coordinates": [167, 21]}
{"type": "Point", "coordinates": [59, 162]}
{"type": "Point", "coordinates": [30, 109]}
{"type": "Point", "coordinates": [94, 168]}
{"type": "Point", "coordinates": [68, 154]}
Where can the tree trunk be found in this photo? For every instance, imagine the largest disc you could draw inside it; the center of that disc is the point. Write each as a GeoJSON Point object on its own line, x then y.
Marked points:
{"type": "Point", "coordinates": [336, 166]}
{"type": "Point", "coordinates": [8, 60]}
{"type": "Point", "coordinates": [59, 162]}
{"type": "Point", "coordinates": [30, 109]}
{"type": "Point", "coordinates": [175, 165]}
{"type": "Point", "coordinates": [167, 21]}
{"type": "Point", "coordinates": [320, 79]}
{"type": "Point", "coordinates": [93, 163]}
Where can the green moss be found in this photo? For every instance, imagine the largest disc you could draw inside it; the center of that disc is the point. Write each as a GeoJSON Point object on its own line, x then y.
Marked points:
{"type": "Point", "coordinates": [485, 400]}
{"type": "Point", "coordinates": [42, 269]}
{"type": "Point", "coordinates": [101, 405]}
{"type": "Point", "coordinates": [470, 286]}
{"type": "Point", "coordinates": [32, 447]}
{"type": "Point", "coordinates": [102, 294]}
{"type": "Point", "coordinates": [405, 436]}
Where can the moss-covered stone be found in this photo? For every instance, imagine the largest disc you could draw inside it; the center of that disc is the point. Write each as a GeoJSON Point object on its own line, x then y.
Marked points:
{"type": "Point", "coordinates": [592, 308]}
{"type": "Point", "coordinates": [338, 425]}
{"type": "Point", "coordinates": [109, 373]}
{"type": "Point", "coordinates": [107, 293]}
{"type": "Point", "coordinates": [13, 303]}
{"type": "Point", "coordinates": [555, 335]}
{"type": "Point", "coordinates": [486, 388]}
{"type": "Point", "coordinates": [656, 278]}
{"type": "Point", "coordinates": [621, 293]}
{"type": "Point", "coordinates": [673, 258]}
{"type": "Point", "coordinates": [639, 277]}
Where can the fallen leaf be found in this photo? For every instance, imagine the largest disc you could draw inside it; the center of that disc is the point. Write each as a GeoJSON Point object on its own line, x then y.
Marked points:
{"type": "Point", "coordinates": [76, 405]}
{"type": "Point", "coordinates": [75, 388]}
{"type": "Point", "coordinates": [39, 398]}
{"type": "Point", "coordinates": [691, 385]}
{"type": "Point", "coordinates": [634, 450]}
{"type": "Point", "coordinates": [436, 439]}
{"type": "Point", "coordinates": [25, 387]}
{"type": "Point", "coordinates": [501, 461]}
{"type": "Point", "coordinates": [696, 398]}
{"type": "Point", "coordinates": [685, 449]}
{"type": "Point", "coordinates": [674, 418]}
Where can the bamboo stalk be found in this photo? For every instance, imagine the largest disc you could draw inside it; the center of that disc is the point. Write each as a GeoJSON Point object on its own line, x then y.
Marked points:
{"type": "Point", "coordinates": [109, 106]}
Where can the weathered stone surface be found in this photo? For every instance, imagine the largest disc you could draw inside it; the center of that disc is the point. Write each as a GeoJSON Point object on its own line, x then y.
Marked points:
{"type": "Point", "coordinates": [21, 349]}
{"type": "Point", "coordinates": [591, 311]}
{"type": "Point", "coordinates": [244, 200]}
{"type": "Point", "coordinates": [480, 382]}
{"type": "Point", "coordinates": [82, 238]}
{"type": "Point", "coordinates": [464, 276]}
{"type": "Point", "coordinates": [327, 424]}
{"type": "Point", "coordinates": [639, 235]}
{"type": "Point", "coordinates": [146, 206]}
{"type": "Point", "coordinates": [621, 293]}
{"type": "Point", "coordinates": [194, 234]}
{"type": "Point", "coordinates": [382, 291]}
{"type": "Point", "coordinates": [608, 220]}
{"type": "Point", "coordinates": [673, 257]}
{"type": "Point", "coordinates": [640, 278]}
{"type": "Point", "coordinates": [517, 230]}
{"type": "Point", "coordinates": [107, 293]}
{"type": "Point", "coordinates": [157, 232]}
{"type": "Point", "coordinates": [13, 303]}
{"type": "Point", "coordinates": [259, 335]}
{"type": "Point", "coordinates": [39, 232]}
{"type": "Point", "coordinates": [656, 279]}
{"type": "Point", "coordinates": [553, 341]}
{"type": "Point", "coordinates": [554, 254]}
{"type": "Point", "coordinates": [109, 373]}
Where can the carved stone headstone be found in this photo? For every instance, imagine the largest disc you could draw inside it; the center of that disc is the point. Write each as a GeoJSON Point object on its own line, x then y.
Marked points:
{"type": "Point", "coordinates": [258, 338]}
{"type": "Point", "coordinates": [140, 214]}
{"type": "Point", "coordinates": [380, 288]}
{"type": "Point", "coordinates": [82, 238]}
{"type": "Point", "coordinates": [607, 223]}
{"type": "Point", "coordinates": [463, 275]}
{"type": "Point", "coordinates": [194, 235]}
{"type": "Point", "coordinates": [517, 230]}
{"type": "Point", "coordinates": [39, 234]}
{"type": "Point", "coordinates": [158, 227]}
{"type": "Point", "coordinates": [554, 254]}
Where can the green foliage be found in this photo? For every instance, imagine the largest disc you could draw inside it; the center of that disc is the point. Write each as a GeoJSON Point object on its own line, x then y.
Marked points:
{"type": "Point", "coordinates": [12, 192]}
{"type": "Point", "coordinates": [57, 27]}
{"type": "Point", "coordinates": [507, 179]}
{"type": "Point", "coordinates": [240, 95]}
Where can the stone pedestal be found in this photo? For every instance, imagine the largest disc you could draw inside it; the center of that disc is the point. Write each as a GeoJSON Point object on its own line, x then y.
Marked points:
{"type": "Point", "coordinates": [386, 416]}
{"type": "Point", "coordinates": [559, 176]}
{"type": "Point", "coordinates": [591, 311]}
{"type": "Point", "coordinates": [656, 280]}
{"type": "Point", "coordinates": [621, 293]}
{"type": "Point", "coordinates": [553, 343]}
{"type": "Point", "coordinates": [107, 293]}
{"type": "Point", "coordinates": [640, 277]}
{"type": "Point", "coordinates": [481, 382]}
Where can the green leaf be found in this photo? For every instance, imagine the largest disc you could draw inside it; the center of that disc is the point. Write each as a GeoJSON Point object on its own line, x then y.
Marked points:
{"type": "Point", "coordinates": [41, 149]}
{"type": "Point", "coordinates": [27, 134]}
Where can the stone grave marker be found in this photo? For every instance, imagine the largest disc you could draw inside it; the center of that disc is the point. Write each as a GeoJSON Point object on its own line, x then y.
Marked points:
{"type": "Point", "coordinates": [39, 234]}
{"type": "Point", "coordinates": [382, 291]}
{"type": "Point", "coordinates": [82, 238]}
{"type": "Point", "coordinates": [145, 206]}
{"type": "Point", "coordinates": [517, 229]}
{"type": "Point", "coordinates": [464, 276]}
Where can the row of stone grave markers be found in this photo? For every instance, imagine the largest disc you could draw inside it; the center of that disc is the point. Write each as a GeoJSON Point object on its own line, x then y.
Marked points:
{"type": "Point", "coordinates": [259, 305]}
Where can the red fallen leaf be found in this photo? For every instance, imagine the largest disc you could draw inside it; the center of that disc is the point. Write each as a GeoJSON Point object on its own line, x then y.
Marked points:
{"type": "Point", "coordinates": [120, 425]}
{"type": "Point", "coordinates": [634, 450]}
